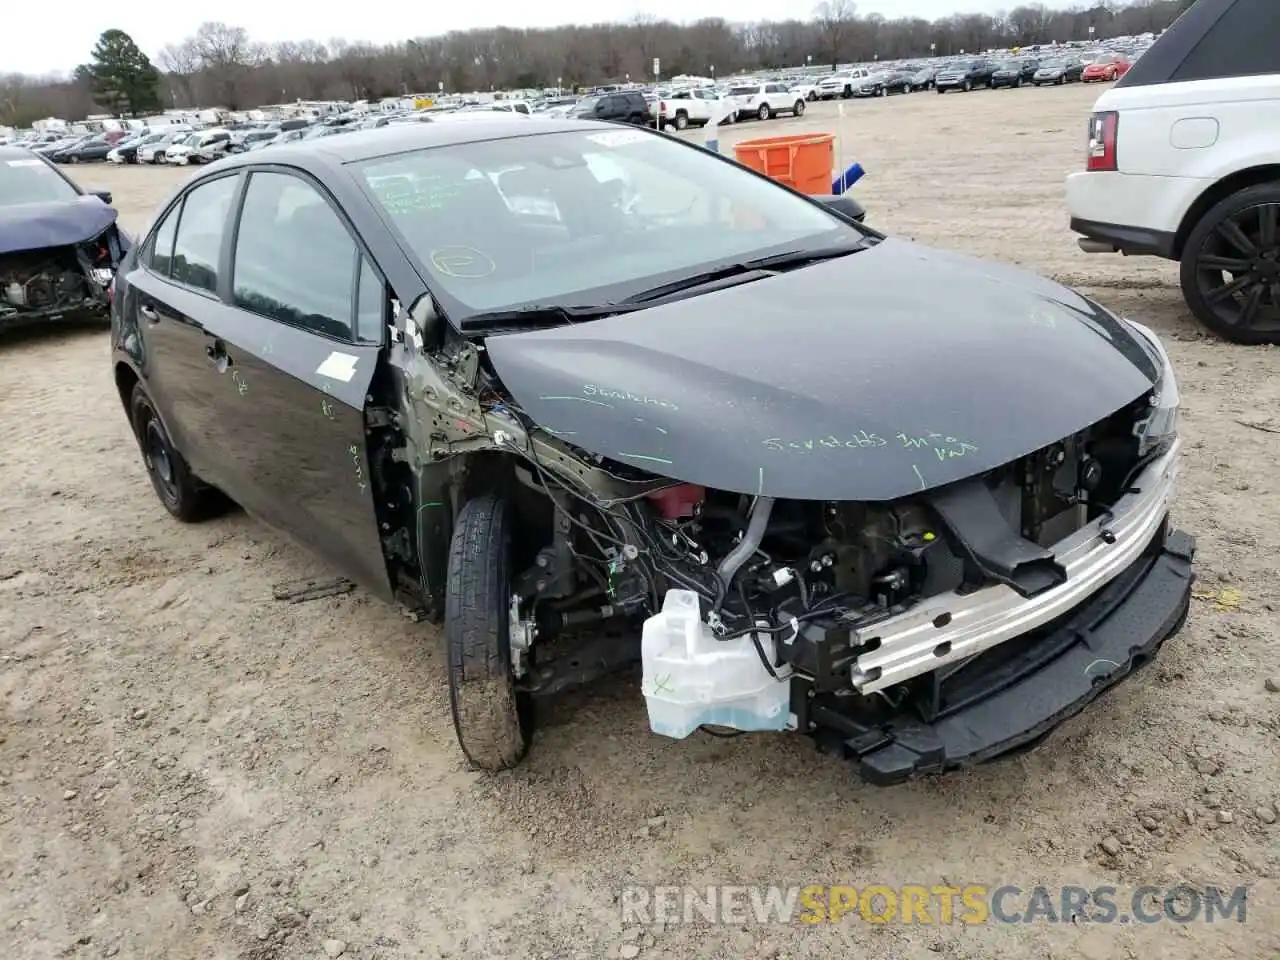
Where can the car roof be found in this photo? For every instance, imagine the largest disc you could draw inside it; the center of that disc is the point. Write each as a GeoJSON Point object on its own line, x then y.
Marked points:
{"type": "Point", "coordinates": [16, 153]}
{"type": "Point", "coordinates": [402, 138]}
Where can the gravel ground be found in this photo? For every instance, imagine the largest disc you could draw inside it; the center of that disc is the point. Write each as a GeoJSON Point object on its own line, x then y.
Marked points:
{"type": "Point", "coordinates": [191, 769]}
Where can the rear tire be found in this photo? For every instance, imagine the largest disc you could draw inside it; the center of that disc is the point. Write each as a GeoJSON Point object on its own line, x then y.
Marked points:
{"type": "Point", "coordinates": [764, 113]}
{"type": "Point", "coordinates": [179, 489]}
{"type": "Point", "coordinates": [799, 108]}
{"type": "Point", "coordinates": [492, 720]}
{"type": "Point", "coordinates": [1206, 240]}
{"type": "Point", "coordinates": [682, 121]}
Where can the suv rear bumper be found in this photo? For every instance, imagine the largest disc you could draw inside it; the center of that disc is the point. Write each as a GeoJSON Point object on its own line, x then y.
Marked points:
{"type": "Point", "coordinates": [1131, 212]}
{"type": "Point", "coordinates": [1135, 241]}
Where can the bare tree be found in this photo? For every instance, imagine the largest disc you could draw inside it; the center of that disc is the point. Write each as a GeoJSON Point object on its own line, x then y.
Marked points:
{"type": "Point", "coordinates": [226, 55]}
{"type": "Point", "coordinates": [835, 17]}
{"type": "Point", "coordinates": [181, 62]}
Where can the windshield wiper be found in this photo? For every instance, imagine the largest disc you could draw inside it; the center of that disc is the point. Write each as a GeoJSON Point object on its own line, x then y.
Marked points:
{"type": "Point", "coordinates": [763, 266]}
{"type": "Point", "coordinates": [545, 314]}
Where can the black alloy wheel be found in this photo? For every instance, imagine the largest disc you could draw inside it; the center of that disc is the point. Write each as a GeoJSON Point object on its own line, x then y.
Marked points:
{"type": "Point", "coordinates": [1230, 271]}
{"type": "Point", "coordinates": [180, 490]}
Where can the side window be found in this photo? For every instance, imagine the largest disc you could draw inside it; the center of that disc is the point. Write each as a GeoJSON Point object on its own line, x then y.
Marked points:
{"type": "Point", "coordinates": [1241, 44]}
{"type": "Point", "coordinates": [294, 259]}
{"type": "Point", "coordinates": [160, 255]}
{"type": "Point", "coordinates": [371, 304]}
{"type": "Point", "coordinates": [199, 242]}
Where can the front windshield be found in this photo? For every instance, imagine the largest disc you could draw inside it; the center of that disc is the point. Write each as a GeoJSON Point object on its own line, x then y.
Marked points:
{"type": "Point", "coordinates": [31, 180]}
{"type": "Point", "coordinates": [1052, 65]}
{"type": "Point", "coordinates": [582, 217]}
{"type": "Point", "coordinates": [1009, 65]}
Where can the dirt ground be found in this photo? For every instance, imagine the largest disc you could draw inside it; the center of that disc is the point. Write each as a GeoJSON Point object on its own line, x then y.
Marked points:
{"type": "Point", "coordinates": [190, 769]}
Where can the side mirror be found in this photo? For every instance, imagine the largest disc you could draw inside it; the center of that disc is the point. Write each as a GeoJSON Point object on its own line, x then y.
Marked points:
{"type": "Point", "coordinates": [103, 195]}
{"type": "Point", "coordinates": [844, 206]}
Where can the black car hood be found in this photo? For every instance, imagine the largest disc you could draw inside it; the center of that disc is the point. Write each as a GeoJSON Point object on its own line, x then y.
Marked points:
{"type": "Point", "coordinates": [890, 371]}
{"type": "Point", "coordinates": [34, 226]}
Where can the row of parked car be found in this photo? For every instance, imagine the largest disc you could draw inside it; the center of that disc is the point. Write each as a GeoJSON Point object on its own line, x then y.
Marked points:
{"type": "Point", "coordinates": [176, 144]}
{"type": "Point", "coordinates": [970, 74]}
{"type": "Point", "coordinates": [765, 98]}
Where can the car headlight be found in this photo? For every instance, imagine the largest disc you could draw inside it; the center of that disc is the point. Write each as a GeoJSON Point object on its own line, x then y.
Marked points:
{"type": "Point", "coordinates": [1157, 431]}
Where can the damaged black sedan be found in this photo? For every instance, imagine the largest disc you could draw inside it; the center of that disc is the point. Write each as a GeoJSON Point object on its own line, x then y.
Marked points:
{"type": "Point", "coordinates": [59, 246]}
{"type": "Point", "coordinates": [591, 395]}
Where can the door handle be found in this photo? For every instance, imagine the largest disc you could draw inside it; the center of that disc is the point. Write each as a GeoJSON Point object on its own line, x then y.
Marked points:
{"type": "Point", "coordinates": [150, 313]}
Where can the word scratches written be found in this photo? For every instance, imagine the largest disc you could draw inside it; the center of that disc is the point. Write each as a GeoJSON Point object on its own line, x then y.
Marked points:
{"type": "Point", "coordinates": [859, 441]}
{"type": "Point", "coordinates": [604, 393]}
{"type": "Point", "coordinates": [327, 409]}
{"type": "Point", "coordinates": [354, 452]}
{"type": "Point", "coordinates": [942, 446]}
{"type": "Point", "coordinates": [238, 379]}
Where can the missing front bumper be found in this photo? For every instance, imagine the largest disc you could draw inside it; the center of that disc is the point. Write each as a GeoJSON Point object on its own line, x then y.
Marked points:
{"type": "Point", "coordinates": [1025, 690]}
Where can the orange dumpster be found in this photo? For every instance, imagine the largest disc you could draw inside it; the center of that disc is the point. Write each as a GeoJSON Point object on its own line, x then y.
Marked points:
{"type": "Point", "coordinates": [802, 162]}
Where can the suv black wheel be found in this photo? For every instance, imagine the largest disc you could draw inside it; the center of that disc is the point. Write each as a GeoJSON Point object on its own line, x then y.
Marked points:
{"type": "Point", "coordinates": [493, 721]}
{"type": "Point", "coordinates": [181, 491]}
{"type": "Point", "coordinates": [799, 108]}
{"type": "Point", "coordinates": [1230, 269]}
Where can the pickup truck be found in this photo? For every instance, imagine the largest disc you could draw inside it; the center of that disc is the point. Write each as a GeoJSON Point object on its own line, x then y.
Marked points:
{"type": "Point", "coordinates": [841, 84]}
{"type": "Point", "coordinates": [685, 108]}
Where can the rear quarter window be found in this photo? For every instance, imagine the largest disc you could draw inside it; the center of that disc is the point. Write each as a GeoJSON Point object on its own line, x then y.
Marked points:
{"type": "Point", "coordinates": [1244, 42]}
{"type": "Point", "coordinates": [1213, 40]}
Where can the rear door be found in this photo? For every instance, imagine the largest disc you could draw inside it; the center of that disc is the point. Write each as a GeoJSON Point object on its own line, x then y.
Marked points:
{"type": "Point", "coordinates": [302, 333]}
{"type": "Point", "coordinates": [174, 294]}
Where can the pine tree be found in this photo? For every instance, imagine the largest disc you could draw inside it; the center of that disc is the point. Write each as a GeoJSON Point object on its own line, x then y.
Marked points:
{"type": "Point", "coordinates": [124, 79]}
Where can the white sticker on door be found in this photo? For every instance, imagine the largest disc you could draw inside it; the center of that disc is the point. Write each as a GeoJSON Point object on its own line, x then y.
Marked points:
{"type": "Point", "coordinates": [338, 366]}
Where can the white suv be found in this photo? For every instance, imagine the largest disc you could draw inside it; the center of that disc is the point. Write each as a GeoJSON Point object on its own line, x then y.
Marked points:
{"type": "Point", "coordinates": [1184, 163]}
{"type": "Point", "coordinates": [764, 100]}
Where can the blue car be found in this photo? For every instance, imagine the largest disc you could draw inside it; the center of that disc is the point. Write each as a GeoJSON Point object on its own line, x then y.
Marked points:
{"type": "Point", "coordinates": [59, 245]}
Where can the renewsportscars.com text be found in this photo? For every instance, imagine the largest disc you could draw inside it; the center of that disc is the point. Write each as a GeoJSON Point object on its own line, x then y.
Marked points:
{"type": "Point", "coordinates": [935, 905]}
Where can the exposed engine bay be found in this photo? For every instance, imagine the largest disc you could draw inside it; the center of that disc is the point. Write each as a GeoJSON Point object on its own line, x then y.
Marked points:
{"type": "Point", "coordinates": [59, 282]}
{"type": "Point", "coordinates": [778, 596]}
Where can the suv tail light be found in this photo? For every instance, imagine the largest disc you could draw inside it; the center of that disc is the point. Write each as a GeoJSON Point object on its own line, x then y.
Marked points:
{"type": "Point", "coordinates": [1103, 128]}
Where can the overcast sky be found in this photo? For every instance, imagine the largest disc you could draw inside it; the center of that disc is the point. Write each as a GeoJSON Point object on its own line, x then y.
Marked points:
{"type": "Point", "coordinates": [44, 37]}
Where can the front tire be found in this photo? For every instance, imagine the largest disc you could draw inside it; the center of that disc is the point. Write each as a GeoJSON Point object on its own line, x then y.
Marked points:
{"type": "Point", "coordinates": [799, 108]}
{"type": "Point", "coordinates": [492, 720]}
{"type": "Point", "coordinates": [966, 86]}
{"type": "Point", "coordinates": [180, 490]}
{"type": "Point", "coordinates": [1230, 267]}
